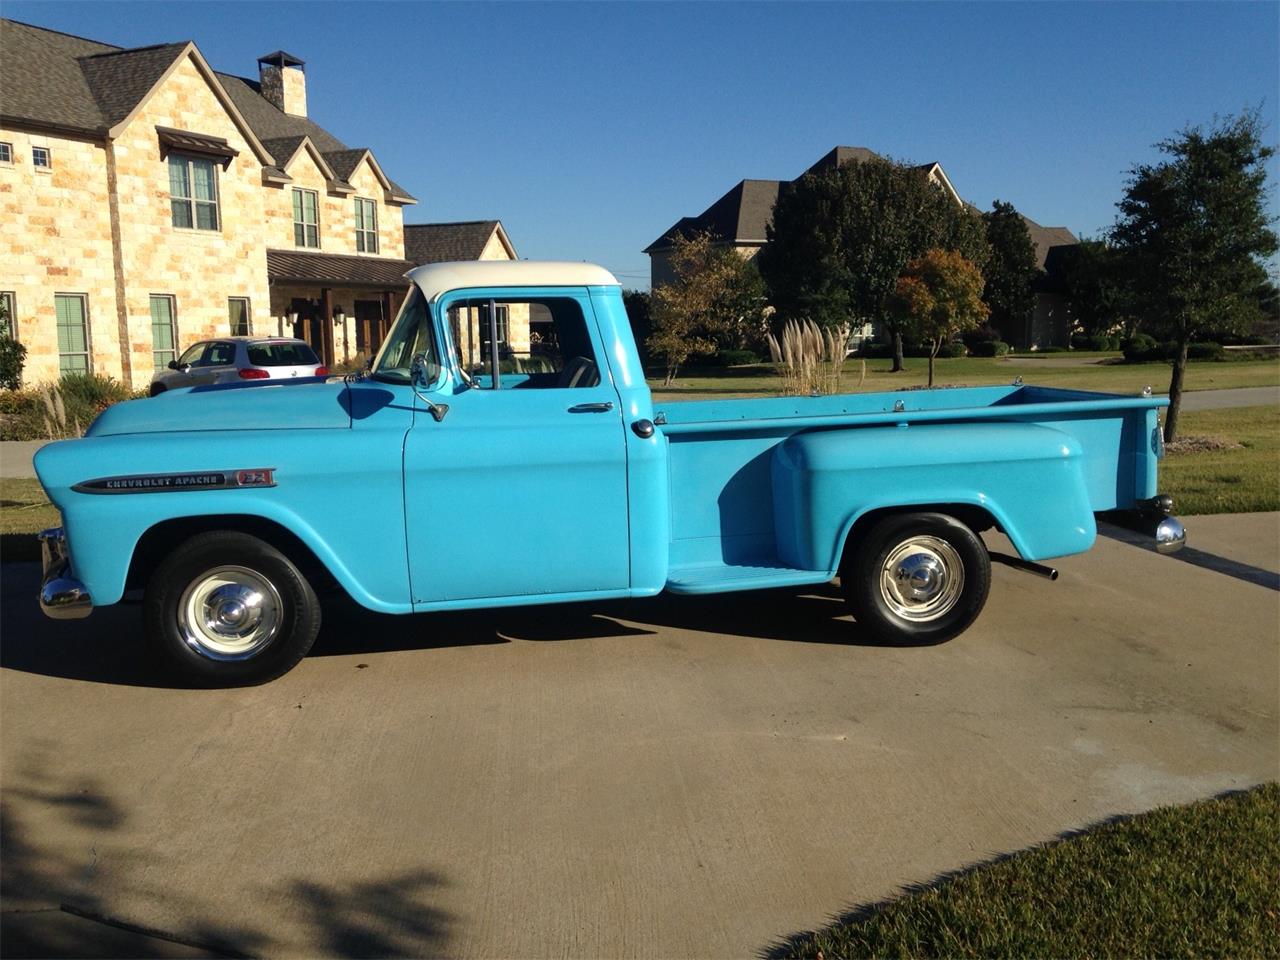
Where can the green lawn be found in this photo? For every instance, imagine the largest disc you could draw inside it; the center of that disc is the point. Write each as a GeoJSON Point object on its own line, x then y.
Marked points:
{"type": "Point", "coordinates": [24, 512]}
{"type": "Point", "coordinates": [1242, 480]}
{"type": "Point", "coordinates": [760, 380]}
{"type": "Point", "coordinates": [1195, 881]}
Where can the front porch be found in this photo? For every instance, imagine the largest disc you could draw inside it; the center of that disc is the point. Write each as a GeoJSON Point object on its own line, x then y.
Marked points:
{"type": "Point", "coordinates": [341, 305]}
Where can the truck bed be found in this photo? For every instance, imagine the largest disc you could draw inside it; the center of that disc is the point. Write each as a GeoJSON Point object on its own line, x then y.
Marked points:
{"type": "Point", "coordinates": [739, 467]}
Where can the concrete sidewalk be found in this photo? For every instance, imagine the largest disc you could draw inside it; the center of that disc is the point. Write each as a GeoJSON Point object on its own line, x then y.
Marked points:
{"type": "Point", "coordinates": [677, 777]}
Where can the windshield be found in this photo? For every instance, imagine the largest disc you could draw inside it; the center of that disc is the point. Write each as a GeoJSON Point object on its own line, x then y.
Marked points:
{"type": "Point", "coordinates": [410, 336]}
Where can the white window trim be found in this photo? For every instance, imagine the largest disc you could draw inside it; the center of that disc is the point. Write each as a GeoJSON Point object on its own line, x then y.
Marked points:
{"type": "Point", "coordinates": [303, 222]}
{"type": "Point", "coordinates": [41, 168]}
{"type": "Point", "coordinates": [377, 243]}
{"type": "Point", "coordinates": [191, 200]}
{"type": "Point", "coordinates": [248, 315]}
{"type": "Point", "coordinates": [12, 296]}
{"type": "Point", "coordinates": [173, 323]}
{"type": "Point", "coordinates": [9, 162]}
{"type": "Point", "coordinates": [88, 331]}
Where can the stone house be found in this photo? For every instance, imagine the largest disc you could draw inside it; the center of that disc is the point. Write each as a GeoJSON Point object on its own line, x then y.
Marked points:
{"type": "Point", "coordinates": [740, 219]}
{"type": "Point", "coordinates": [148, 201]}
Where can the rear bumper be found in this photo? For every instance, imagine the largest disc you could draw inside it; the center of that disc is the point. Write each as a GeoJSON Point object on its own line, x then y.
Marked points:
{"type": "Point", "coordinates": [62, 597]}
{"type": "Point", "coordinates": [1152, 518]}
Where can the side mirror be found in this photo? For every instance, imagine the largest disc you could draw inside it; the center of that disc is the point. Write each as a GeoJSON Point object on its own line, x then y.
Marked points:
{"type": "Point", "coordinates": [175, 365]}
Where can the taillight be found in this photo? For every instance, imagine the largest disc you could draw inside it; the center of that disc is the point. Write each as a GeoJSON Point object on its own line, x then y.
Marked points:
{"type": "Point", "coordinates": [322, 371]}
{"type": "Point", "coordinates": [253, 373]}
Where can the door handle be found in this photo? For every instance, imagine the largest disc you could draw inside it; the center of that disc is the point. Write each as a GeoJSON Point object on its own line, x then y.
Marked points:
{"type": "Point", "coordinates": [592, 407]}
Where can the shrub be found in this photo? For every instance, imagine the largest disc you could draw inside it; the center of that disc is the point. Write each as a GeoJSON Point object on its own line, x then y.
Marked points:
{"type": "Point", "coordinates": [953, 349]}
{"type": "Point", "coordinates": [56, 410]}
{"type": "Point", "coordinates": [991, 348]}
{"type": "Point", "coordinates": [1080, 341]}
{"type": "Point", "coordinates": [1101, 342]}
{"type": "Point", "coordinates": [1141, 348]}
{"type": "Point", "coordinates": [12, 357]}
{"type": "Point", "coordinates": [1205, 351]}
{"type": "Point", "coordinates": [983, 334]}
{"type": "Point", "coordinates": [810, 359]}
{"type": "Point", "coordinates": [735, 358]}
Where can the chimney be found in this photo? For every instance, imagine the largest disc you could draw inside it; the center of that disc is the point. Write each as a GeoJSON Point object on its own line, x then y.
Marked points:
{"type": "Point", "coordinates": [283, 82]}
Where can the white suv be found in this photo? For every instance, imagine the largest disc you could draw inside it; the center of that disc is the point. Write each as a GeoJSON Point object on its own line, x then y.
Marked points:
{"type": "Point", "coordinates": [229, 359]}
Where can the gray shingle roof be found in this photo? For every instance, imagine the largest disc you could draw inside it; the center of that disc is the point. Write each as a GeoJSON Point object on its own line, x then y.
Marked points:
{"type": "Point", "coordinates": [1046, 238]}
{"type": "Point", "coordinates": [447, 242]}
{"type": "Point", "coordinates": [742, 214]}
{"type": "Point", "coordinates": [41, 79]}
{"type": "Point", "coordinates": [121, 78]}
{"type": "Point", "coordinates": [59, 81]}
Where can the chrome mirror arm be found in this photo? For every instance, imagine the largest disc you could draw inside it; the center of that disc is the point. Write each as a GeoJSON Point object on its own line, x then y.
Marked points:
{"type": "Point", "coordinates": [417, 374]}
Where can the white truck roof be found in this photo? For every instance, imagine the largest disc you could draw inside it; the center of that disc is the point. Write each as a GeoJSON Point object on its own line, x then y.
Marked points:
{"type": "Point", "coordinates": [437, 278]}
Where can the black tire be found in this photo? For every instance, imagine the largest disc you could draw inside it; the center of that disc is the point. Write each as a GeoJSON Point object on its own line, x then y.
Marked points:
{"type": "Point", "coordinates": [157, 389]}
{"type": "Point", "coordinates": [942, 605]}
{"type": "Point", "coordinates": [278, 628]}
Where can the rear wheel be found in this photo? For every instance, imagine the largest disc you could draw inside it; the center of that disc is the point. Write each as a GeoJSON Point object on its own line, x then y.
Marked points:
{"type": "Point", "coordinates": [916, 578]}
{"type": "Point", "coordinates": [228, 609]}
{"type": "Point", "coordinates": [157, 389]}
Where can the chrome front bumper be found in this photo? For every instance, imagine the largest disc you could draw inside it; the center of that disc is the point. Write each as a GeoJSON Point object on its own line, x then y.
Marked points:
{"type": "Point", "coordinates": [62, 597]}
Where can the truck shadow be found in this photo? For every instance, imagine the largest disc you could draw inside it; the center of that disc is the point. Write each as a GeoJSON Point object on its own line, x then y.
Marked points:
{"type": "Point", "coordinates": [108, 647]}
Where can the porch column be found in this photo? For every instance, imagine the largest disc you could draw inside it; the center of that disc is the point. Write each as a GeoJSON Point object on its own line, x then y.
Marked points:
{"type": "Point", "coordinates": [326, 326]}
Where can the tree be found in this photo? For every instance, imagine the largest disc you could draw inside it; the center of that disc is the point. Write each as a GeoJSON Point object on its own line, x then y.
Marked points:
{"type": "Point", "coordinates": [715, 295]}
{"type": "Point", "coordinates": [938, 297]}
{"type": "Point", "coordinates": [636, 303]}
{"type": "Point", "coordinates": [1010, 271]}
{"type": "Point", "coordinates": [841, 238]}
{"type": "Point", "coordinates": [1090, 275]}
{"type": "Point", "coordinates": [1193, 230]}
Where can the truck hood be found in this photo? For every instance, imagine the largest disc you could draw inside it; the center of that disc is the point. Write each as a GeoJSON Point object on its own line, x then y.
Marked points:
{"type": "Point", "coordinates": [313, 403]}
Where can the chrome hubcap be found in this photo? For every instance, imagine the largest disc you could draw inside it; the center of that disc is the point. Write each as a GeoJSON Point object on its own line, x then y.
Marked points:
{"type": "Point", "coordinates": [922, 578]}
{"type": "Point", "coordinates": [229, 613]}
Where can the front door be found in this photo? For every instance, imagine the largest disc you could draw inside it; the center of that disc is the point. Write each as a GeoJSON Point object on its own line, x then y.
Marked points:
{"type": "Point", "coordinates": [520, 491]}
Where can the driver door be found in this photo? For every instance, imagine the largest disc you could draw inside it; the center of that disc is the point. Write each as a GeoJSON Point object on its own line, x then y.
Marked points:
{"type": "Point", "coordinates": [520, 491]}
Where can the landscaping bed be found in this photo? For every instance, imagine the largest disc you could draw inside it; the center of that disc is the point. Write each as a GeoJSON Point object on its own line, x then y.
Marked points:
{"type": "Point", "coordinates": [1193, 881]}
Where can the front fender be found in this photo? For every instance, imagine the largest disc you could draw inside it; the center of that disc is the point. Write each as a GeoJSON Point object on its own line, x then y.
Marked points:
{"type": "Point", "coordinates": [340, 492]}
{"type": "Point", "coordinates": [1028, 477]}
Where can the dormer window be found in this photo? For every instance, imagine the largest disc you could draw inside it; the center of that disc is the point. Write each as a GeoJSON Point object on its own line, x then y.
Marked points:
{"type": "Point", "coordinates": [366, 226]}
{"type": "Point", "coordinates": [193, 192]}
{"type": "Point", "coordinates": [306, 218]}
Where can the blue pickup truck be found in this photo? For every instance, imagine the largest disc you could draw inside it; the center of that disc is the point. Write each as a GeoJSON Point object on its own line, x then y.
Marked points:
{"type": "Point", "coordinates": [503, 449]}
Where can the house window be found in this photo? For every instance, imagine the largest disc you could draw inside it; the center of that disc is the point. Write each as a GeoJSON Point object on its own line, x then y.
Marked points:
{"type": "Point", "coordinates": [164, 330]}
{"type": "Point", "coordinates": [238, 313]}
{"type": "Point", "coordinates": [72, 314]}
{"type": "Point", "coordinates": [41, 158]}
{"type": "Point", "coordinates": [8, 316]}
{"type": "Point", "coordinates": [6, 153]}
{"type": "Point", "coordinates": [193, 192]}
{"type": "Point", "coordinates": [366, 226]}
{"type": "Point", "coordinates": [306, 218]}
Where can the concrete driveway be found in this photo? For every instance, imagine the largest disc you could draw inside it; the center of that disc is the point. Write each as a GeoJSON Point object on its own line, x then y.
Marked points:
{"type": "Point", "coordinates": [684, 777]}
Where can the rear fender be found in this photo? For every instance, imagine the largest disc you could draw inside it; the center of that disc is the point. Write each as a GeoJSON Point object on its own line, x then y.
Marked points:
{"type": "Point", "coordinates": [1027, 477]}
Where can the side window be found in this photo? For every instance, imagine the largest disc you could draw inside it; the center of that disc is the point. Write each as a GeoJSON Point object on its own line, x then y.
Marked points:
{"type": "Point", "coordinates": [192, 354]}
{"type": "Point", "coordinates": [541, 343]}
{"type": "Point", "coordinates": [219, 355]}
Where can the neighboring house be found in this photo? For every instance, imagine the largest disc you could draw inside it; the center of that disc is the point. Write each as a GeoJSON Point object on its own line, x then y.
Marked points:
{"type": "Point", "coordinates": [1050, 325]}
{"type": "Point", "coordinates": [148, 201]}
{"type": "Point", "coordinates": [519, 334]}
{"type": "Point", "coordinates": [741, 217]}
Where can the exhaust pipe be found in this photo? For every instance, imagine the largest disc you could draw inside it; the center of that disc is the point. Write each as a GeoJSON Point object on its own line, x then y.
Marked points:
{"type": "Point", "coordinates": [1039, 569]}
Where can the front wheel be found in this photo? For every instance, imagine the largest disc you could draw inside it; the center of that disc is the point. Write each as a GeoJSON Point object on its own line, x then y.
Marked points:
{"type": "Point", "coordinates": [916, 579]}
{"type": "Point", "coordinates": [227, 609]}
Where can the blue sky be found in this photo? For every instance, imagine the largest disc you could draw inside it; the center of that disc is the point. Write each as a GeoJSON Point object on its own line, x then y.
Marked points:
{"type": "Point", "coordinates": [590, 128]}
